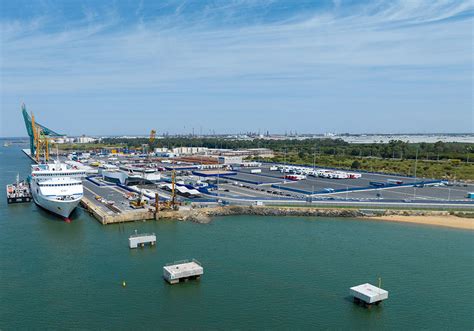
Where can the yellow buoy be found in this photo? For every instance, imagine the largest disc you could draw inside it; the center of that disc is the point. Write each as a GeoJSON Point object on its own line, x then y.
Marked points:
{"type": "Point", "coordinates": [124, 284]}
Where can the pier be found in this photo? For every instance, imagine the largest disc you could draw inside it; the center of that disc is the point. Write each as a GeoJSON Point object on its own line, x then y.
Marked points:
{"type": "Point", "coordinates": [104, 215]}
{"type": "Point", "coordinates": [185, 270]}
{"type": "Point", "coordinates": [368, 294]}
{"type": "Point", "coordinates": [141, 239]}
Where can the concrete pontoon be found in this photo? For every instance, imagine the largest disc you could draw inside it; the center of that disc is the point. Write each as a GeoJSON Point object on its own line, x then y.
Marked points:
{"type": "Point", "coordinates": [368, 294]}
{"type": "Point", "coordinates": [173, 273]}
{"type": "Point", "coordinates": [140, 239]}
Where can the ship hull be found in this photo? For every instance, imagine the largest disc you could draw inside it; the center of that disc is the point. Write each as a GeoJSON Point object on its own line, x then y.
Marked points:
{"type": "Point", "coordinates": [62, 208]}
{"type": "Point", "coordinates": [18, 200]}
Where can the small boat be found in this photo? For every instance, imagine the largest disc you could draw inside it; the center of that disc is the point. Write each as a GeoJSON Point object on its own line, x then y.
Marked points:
{"type": "Point", "coordinates": [18, 192]}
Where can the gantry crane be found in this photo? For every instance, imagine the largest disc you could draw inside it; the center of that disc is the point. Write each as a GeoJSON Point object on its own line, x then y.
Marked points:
{"type": "Point", "coordinates": [41, 142]}
{"type": "Point", "coordinates": [38, 134]}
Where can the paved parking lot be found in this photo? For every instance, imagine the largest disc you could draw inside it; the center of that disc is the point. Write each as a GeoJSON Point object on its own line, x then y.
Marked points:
{"type": "Point", "coordinates": [113, 193]}
{"type": "Point", "coordinates": [255, 178]}
{"type": "Point", "coordinates": [274, 180]}
{"type": "Point", "coordinates": [252, 191]}
{"type": "Point", "coordinates": [315, 184]}
{"type": "Point", "coordinates": [427, 193]}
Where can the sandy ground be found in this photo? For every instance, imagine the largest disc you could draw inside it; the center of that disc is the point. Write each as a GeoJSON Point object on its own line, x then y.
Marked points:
{"type": "Point", "coordinates": [446, 221]}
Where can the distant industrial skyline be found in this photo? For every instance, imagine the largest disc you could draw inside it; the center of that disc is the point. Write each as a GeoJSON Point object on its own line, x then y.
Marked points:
{"type": "Point", "coordinates": [351, 138]}
{"type": "Point", "coordinates": [237, 66]}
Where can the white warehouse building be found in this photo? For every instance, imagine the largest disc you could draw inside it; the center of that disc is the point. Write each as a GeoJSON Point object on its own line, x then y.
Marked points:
{"type": "Point", "coordinates": [230, 160]}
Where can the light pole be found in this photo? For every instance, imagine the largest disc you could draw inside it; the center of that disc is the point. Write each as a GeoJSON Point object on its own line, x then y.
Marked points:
{"type": "Point", "coordinates": [217, 188]}
{"type": "Point", "coordinates": [416, 161]}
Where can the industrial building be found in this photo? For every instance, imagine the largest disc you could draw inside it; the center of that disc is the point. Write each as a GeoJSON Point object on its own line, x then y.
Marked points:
{"type": "Point", "coordinates": [230, 160]}
{"type": "Point", "coordinates": [251, 152]}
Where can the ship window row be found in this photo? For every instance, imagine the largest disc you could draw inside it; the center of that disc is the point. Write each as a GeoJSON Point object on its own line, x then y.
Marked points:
{"type": "Point", "coordinates": [67, 184]}
{"type": "Point", "coordinates": [64, 174]}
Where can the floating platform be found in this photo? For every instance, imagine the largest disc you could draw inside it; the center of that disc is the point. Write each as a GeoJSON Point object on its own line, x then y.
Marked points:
{"type": "Point", "coordinates": [141, 239]}
{"type": "Point", "coordinates": [368, 294]}
{"type": "Point", "coordinates": [179, 271]}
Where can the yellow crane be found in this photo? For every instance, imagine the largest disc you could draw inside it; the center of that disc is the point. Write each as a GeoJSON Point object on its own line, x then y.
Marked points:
{"type": "Point", "coordinates": [151, 140]}
{"type": "Point", "coordinates": [173, 191]}
{"type": "Point", "coordinates": [152, 137]}
{"type": "Point", "coordinates": [45, 144]}
{"type": "Point", "coordinates": [147, 147]}
{"type": "Point", "coordinates": [40, 140]}
{"type": "Point", "coordinates": [172, 203]}
{"type": "Point", "coordinates": [35, 137]}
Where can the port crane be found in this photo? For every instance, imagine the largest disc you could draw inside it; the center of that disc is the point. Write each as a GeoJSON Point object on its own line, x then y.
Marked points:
{"type": "Point", "coordinates": [38, 134]}
{"type": "Point", "coordinates": [172, 203]}
{"type": "Point", "coordinates": [173, 190]}
{"type": "Point", "coordinates": [151, 140]}
{"type": "Point", "coordinates": [41, 141]}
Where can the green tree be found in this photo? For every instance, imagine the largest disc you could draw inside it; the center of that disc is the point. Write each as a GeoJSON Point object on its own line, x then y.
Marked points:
{"type": "Point", "coordinates": [355, 165]}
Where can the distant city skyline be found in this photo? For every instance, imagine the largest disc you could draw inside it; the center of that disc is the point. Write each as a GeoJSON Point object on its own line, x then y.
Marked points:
{"type": "Point", "coordinates": [84, 67]}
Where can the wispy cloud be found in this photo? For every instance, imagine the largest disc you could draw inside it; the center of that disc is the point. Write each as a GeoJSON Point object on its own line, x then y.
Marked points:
{"type": "Point", "coordinates": [248, 48]}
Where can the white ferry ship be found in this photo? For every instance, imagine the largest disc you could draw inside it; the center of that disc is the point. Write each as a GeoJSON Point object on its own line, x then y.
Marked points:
{"type": "Point", "coordinates": [57, 187]}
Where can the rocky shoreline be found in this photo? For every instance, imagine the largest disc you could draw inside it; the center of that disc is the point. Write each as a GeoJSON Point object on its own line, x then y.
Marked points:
{"type": "Point", "coordinates": [205, 215]}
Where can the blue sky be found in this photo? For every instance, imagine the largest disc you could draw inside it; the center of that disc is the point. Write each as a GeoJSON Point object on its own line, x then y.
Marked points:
{"type": "Point", "coordinates": [124, 67]}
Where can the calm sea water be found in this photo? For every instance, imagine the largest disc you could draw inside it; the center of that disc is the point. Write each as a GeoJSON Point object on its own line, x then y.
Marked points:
{"type": "Point", "coordinates": [273, 272]}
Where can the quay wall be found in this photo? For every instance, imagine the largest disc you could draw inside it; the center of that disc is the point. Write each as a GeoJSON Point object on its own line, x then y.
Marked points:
{"type": "Point", "coordinates": [110, 218]}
